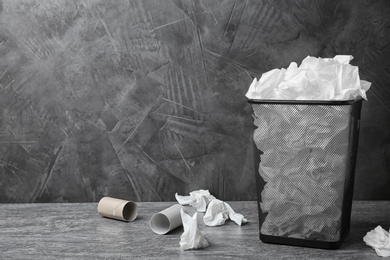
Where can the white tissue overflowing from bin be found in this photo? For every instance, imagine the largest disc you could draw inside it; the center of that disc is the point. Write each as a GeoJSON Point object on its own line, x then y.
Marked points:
{"type": "Point", "coordinates": [315, 79]}
{"type": "Point", "coordinates": [304, 147]}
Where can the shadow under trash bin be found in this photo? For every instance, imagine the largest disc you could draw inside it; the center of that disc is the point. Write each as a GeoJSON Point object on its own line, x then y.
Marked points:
{"type": "Point", "coordinates": [305, 156]}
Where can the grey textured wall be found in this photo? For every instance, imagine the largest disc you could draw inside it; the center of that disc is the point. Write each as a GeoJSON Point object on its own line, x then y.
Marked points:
{"type": "Point", "coordinates": [142, 99]}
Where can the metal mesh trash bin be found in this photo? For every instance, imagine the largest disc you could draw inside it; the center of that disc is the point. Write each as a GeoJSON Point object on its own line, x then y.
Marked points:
{"type": "Point", "coordinates": [305, 155]}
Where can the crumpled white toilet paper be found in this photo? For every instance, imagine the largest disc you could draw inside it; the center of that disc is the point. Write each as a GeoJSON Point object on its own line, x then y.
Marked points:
{"type": "Point", "coordinates": [378, 239]}
{"type": "Point", "coordinates": [191, 238]}
{"type": "Point", "coordinates": [315, 79]}
{"type": "Point", "coordinates": [219, 211]}
{"type": "Point", "coordinates": [198, 199]}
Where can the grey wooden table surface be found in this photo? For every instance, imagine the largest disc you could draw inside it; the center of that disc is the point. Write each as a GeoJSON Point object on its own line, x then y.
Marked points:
{"type": "Point", "coordinates": [77, 231]}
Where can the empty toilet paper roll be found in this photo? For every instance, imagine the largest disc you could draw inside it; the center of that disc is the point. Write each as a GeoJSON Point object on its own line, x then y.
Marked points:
{"type": "Point", "coordinates": [166, 220]}
{"type": "Point", "coordinates": [117, 209]}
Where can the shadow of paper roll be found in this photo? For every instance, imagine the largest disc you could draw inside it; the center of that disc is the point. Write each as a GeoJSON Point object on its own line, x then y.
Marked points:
{"type": "Point", "coordinates": [118, 209]}
{"type": "Point", "coordinates": [166, 220]}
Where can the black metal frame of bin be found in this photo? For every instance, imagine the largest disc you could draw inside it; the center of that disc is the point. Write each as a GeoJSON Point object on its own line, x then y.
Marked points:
{"type": "Point", "coordinates": [348, 189]}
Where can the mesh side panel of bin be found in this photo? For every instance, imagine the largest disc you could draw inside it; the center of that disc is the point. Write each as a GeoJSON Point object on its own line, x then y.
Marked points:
{"type": "Point", "coordinates": [304, 177]}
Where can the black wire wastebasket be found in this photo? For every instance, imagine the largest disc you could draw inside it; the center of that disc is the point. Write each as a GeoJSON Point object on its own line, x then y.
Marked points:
{"type": "Point", "coordinates": [305, 156]}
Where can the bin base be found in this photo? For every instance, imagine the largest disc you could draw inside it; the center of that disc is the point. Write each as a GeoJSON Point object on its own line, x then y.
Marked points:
{"type": "Point", "coordinates": [303, 242]}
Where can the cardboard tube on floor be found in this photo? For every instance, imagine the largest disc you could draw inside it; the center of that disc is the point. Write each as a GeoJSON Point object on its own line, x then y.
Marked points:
{"type": "Point", "coordinates": [117, 209]}
{"type": "Point", "coordinates": [166, 220]}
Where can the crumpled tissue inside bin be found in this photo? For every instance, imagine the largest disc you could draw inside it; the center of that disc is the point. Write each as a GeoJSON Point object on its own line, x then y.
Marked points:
{"type": "Point", "coordinates": [305, 146]}
{"type": "Point", "coordinates": [304, 149]}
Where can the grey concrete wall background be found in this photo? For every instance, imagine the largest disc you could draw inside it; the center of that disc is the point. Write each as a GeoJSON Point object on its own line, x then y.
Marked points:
{"type": "Point", "coordinates": [143, 99]}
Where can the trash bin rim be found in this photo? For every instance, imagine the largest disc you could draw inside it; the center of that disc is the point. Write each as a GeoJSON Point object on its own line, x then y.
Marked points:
{"type": "Point", "coordinates": [305, 102]}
